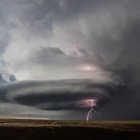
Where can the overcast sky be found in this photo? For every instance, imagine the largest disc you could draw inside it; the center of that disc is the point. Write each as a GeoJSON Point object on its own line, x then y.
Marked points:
{"type": "Point", "coordinates": [92, 44]}
{"type": "Point", "coordinates": [54, 39]}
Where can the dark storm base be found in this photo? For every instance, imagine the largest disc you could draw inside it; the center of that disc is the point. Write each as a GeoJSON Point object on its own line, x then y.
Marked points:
{"type": "Point", "coordinates": [16, 129]}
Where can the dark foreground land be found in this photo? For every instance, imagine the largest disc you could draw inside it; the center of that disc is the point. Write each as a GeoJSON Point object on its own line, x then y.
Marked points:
{"type": "Point", "coordinates": [17, 129]}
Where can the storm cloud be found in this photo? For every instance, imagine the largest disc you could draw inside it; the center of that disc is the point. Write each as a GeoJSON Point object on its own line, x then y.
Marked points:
{"type": "Point", "coordinates": [93, 43]}
{"type": "Point", "coordinates": [58, 95]}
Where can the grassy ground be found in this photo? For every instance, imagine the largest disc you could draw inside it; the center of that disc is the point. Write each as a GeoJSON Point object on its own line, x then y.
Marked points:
{"type": "Point", "coordinates": [16, 129]}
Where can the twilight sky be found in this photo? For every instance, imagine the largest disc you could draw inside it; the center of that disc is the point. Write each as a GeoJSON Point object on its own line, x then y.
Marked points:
{"type": "Point", "coordinates": [64, 53]}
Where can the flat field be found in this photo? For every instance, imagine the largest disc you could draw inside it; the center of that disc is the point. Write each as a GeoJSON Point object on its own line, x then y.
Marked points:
{"type": "Point", "coordinates": [27, 129]}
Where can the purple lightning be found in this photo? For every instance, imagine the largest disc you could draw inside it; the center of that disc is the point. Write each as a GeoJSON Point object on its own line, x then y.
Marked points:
{"type": "Point", "coordinates": [93, 103]}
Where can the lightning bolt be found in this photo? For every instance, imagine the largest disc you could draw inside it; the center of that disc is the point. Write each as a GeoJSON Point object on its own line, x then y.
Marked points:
{"type": "Point", "coordinates": [91, 109]}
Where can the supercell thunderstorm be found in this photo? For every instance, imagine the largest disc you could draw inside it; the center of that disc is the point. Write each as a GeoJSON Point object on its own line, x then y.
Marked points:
{"type": "Point", "coordinates": [67, 59]}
